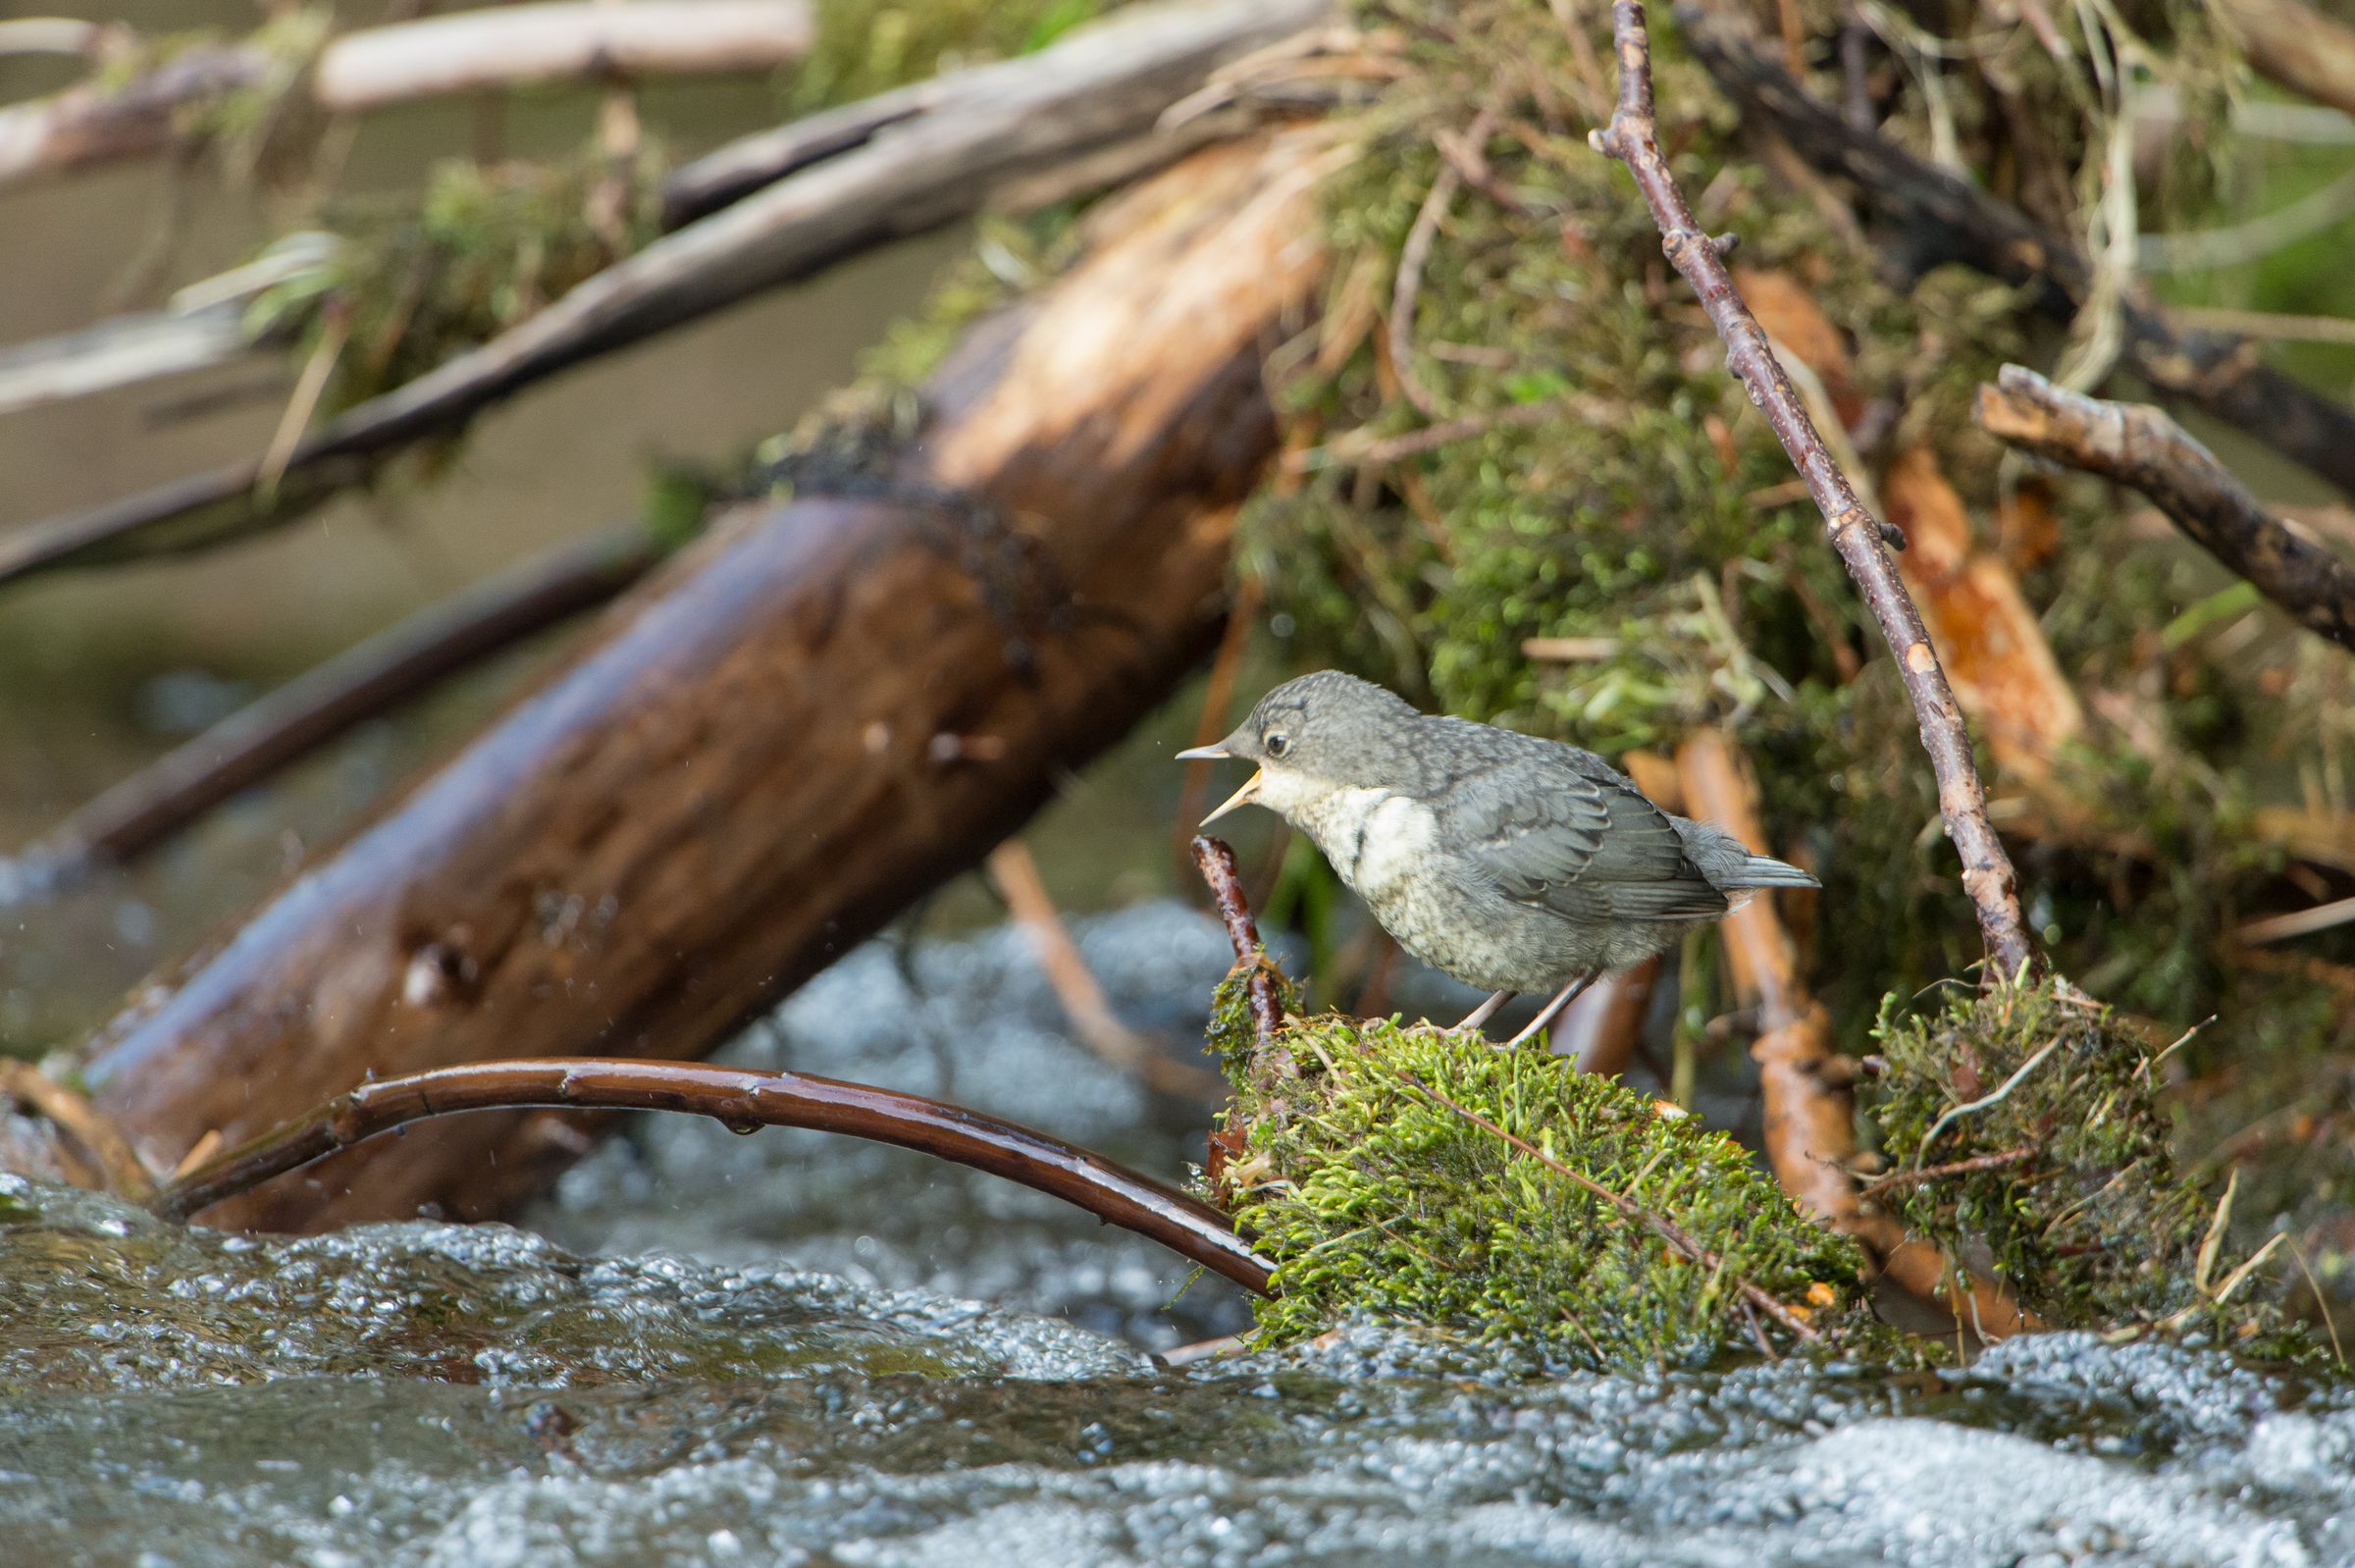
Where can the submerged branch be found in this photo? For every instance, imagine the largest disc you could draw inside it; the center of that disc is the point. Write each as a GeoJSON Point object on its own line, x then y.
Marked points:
{"type": "Point", "coordinates": [2138, 445]}
{"type": "Point", "coordinates": [742, 1099]}
{"type": "Point", "coordinates": [1987, 873]}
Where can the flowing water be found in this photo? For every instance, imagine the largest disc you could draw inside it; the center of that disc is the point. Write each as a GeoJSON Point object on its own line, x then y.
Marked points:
{"type": "Point", "coordinates": [772, 1349]}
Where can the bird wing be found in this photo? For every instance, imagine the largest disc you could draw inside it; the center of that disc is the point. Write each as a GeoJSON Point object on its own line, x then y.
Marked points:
{"type": "Point", "coordinates": [1580, 845]}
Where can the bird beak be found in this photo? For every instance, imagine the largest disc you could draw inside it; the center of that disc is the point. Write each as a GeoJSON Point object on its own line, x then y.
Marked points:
{"type": "Point", "coordinates": [1206, 754]}
{"type": "Point", "coordinates": [1242, 797]}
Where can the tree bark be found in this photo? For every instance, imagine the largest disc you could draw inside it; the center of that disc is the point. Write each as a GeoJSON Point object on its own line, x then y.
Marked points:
{"type": "Point", "coordinates": [738, 778]}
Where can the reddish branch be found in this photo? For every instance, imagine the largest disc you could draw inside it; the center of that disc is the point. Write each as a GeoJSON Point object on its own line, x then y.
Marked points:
{"type": "Point", "coordinates": [1217, 862]}
{"type": "Point", "coordinates": [1856, 534]}
{"type": "Point", "coordinates": [2139, 445]}
{"type": "Point", "coordinates": [743, 1099]}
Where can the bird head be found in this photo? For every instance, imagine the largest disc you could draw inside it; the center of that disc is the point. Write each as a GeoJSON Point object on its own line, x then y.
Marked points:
{"type": "Point", "coordinates": [1311, 736]}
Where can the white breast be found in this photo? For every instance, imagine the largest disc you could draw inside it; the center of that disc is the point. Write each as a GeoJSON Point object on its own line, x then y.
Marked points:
{"type": "Point", "coordinates": [1371, 836]}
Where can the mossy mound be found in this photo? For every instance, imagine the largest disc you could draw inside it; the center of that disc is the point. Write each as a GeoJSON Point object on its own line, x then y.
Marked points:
{"type": "Point", "coordinates": [2026, 1140]}
{"type": "Point", "coordinates": [1367, 1177]}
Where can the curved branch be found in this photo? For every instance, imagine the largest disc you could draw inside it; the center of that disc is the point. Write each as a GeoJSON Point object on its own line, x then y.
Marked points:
{"type": "Point", "coordinates": [2138, 445]}
{"type": "Point", "coordinates": [1987, 875]}
{"type": "Point", "coordinates": [742, 1099]}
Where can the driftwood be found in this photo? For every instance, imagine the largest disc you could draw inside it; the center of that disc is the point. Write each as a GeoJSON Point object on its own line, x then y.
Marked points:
{"type": "Point", "coordinates": [743, 1098]}
{"type": "Point", "coordinates": [1987, 874]}
{"type": "Point", "coordinates": [2138, 445]}
{"type": "Point", "coordinates": [1936, 217]}
{"type": "Point", "coordinates": [373, 68]}
{"type": "Point", "coordinates": [1100, 88]}
{"type": "Point", "coordinates": [743, 765]}
{"type": "Point", "coordinates": [361, 683]}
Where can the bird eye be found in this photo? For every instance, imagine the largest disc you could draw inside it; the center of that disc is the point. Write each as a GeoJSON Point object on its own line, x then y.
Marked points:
{"type": "Point", "coordinates": [1278, 743]}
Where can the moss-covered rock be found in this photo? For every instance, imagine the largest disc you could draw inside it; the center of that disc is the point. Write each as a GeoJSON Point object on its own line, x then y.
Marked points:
{"type": "Point", "coordinates": [1382, 1178]}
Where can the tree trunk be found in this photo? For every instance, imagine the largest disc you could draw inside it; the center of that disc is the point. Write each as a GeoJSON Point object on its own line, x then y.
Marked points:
{"type": "Point", "coordinates": [744, 774]}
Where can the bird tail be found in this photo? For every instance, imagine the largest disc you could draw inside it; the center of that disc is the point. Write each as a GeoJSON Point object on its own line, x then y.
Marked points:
{"type": "Point", "coordinates": [1764, 870]}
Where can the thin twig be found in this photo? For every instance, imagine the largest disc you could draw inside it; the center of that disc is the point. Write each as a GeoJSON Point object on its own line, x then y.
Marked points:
{"type": "Point", "coordinates": [1987, 1101]}
{"type": "Point", "coordinates": [2297, 923]}
{"type": "Point", "coordinates": [118, 1164]}
{"type": "Point", "coordinates": [1660, 1226]}
{"type": "Point", "coordinates": [1412, 258]}
{"type": "Point", "coordinates": [1987, 875]}
{"type": "Point", "coordinates": [742, 1099]}
{"type": "Point", "coordinates": [1984, 1162]}
{"type": "Point", "coordinates": [2139, 445]}
{"type": "Point", "coordinates": [1216, 864]}
{"type": "Point", "coordinates": [1015, 875]}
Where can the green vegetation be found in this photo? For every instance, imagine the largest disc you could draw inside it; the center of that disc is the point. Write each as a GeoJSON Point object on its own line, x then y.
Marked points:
{"type": "Point", "coordinates": [2041, 1110]}
{"type": "Point", "coordinates": [1368, 1178]}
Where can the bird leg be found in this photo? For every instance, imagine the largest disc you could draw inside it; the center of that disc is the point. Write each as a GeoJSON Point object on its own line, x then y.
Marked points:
{"type": "Point", "coordinates": [1551, 1010]}
{"type": "Point", "coordinates": [1483, 1013]}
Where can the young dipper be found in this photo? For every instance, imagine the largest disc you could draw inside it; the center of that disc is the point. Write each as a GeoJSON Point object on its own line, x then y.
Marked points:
{"type": "Point", "coordinates": [1511, 862]}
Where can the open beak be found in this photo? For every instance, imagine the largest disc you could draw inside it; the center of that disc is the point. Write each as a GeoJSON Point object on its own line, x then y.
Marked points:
{"type": "Point", "coordinates": [1205, 754]}
{"type": "Point", "coordinates": [1242, 797]}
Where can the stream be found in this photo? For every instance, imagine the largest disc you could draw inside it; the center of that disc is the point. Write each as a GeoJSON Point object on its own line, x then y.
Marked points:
{"type": "Point", "coordinates": [713, 1348]}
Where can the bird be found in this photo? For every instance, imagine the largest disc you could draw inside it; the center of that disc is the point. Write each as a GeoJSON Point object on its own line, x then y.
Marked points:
{"type": "Point", "coordinates": [1512, 863]}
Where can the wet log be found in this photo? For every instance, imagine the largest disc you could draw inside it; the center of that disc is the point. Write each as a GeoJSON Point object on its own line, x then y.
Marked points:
{"type": "Point", "coordinates": [740, 776]}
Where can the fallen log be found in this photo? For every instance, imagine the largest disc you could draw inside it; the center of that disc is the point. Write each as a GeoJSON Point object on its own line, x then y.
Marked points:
{"type": "Point", "coordinates": [739, 777]}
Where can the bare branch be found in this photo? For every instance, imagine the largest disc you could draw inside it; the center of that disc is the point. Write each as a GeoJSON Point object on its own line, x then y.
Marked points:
{"type": "Point", "coordinates": [2139, 445]}
{"type": "Point", "coordinates": [1987, 873]}
{"type": "Point", "coordinates": [742, 1099]}
{"type": "Point", "coordinates": [1004, 122]}
{"type": "Point", "coordinates": [373, 68]}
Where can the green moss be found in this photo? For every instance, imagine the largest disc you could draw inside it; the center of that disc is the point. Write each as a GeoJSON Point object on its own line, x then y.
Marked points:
{"type": "Point", "coordinates": [2078, 1206]}
{"type": "Point", "coordinates": [1378, 1199]}
{"type": "Point", "coordinates": [864, 48]}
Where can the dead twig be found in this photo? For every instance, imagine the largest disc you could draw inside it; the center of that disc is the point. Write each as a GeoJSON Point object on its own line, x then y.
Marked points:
{"type": "Point", "coordinates": [2138, 445]}
{"type": "Point", "coordinates": [1412, 258]}
{"type": "Point", "coordinates": [1937, 1172]}
{"type": "Point", "coordinates": [1015, 875]}
{"type": "Point", "coordinates": [741, 1099]}
{"type": "Point", "coordinates": [1987, 874]}
{"type": "Point", "coordinates": [118, 1162]}
{"type": "Point", "coordinates": [1216, 861]}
